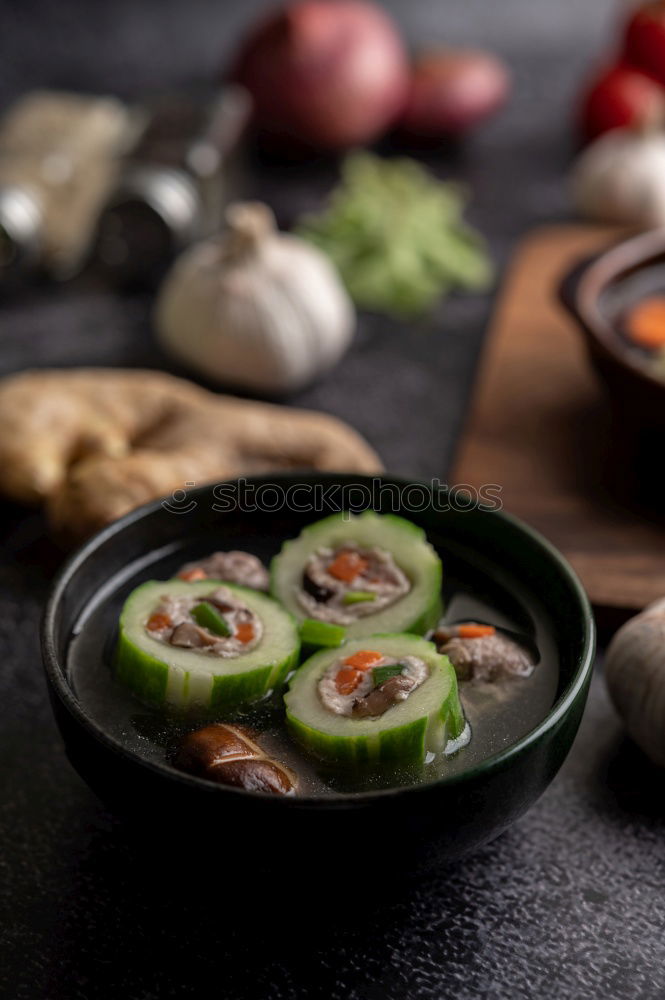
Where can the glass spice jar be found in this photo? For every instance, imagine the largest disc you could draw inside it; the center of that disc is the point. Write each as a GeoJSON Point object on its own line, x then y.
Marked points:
{"type": "Point", "coordinates": [59, 155]}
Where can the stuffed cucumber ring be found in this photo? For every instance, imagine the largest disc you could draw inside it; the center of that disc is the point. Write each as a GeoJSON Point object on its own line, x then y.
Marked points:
{"type": "Point", "coordinates": [206, 644]}
{"type": "Point", "coordinates": [382, 698]}
{"type": "Point", "coordinates": [363, 574]}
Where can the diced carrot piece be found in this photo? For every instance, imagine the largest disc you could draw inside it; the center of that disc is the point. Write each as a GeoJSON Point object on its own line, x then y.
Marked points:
{"type": "Point", "coordinates": [158, 621]}
{"type": "Point", "coordinates": [348, 677]}
{"type": "Point", "coordinates": [347, 566]}
{"type": "Point", "coordinates": [475, 631]}
{"type": "Point", "coordinates": [363, 659]}
{"type": "Point", "coordinates": [245, 632]}
{"type": "Point", "coordinates": [347, 680]}
{"type": "Point", "coordinates": [193, 574]}
{"type": "Point", "coordinates": [645, 324]}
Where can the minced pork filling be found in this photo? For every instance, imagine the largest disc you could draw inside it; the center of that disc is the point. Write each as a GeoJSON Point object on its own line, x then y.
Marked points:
{"type": "Point", "coordinates": [367, 683]}
{"type": "Point", "coordinates": [217, 624]}
{"type": "Point", "coordinates": [347, 583]}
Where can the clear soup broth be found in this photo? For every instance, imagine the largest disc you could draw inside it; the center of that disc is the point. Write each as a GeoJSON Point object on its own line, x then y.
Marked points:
{"type": "Point", "coordinates": [499, 714]}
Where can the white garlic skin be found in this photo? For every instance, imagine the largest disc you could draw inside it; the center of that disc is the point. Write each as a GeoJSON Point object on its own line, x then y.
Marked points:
{"type": "Point", "coordinates": [256, 308]}
{"type": "Point", "coordinates": [635, 675]}
{"type": "Point", "coordinates": [620, 178]}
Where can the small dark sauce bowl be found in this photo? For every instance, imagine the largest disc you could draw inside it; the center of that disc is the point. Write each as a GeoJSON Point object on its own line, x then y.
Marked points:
{"type": "Point", "coordinates": [599, 292]}
{"type": "Point", "coordinates": [412, 828]}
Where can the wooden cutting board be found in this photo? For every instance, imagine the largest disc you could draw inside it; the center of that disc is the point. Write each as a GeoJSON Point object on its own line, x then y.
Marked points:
{"type": "Point", "coordinates": [540, 427]}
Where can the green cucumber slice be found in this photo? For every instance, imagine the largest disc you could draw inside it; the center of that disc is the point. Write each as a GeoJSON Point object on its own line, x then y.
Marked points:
{"type": "Point", "coordinates": [430, 716]}
{"type": "Point", "coordinates": [417, 612]}
{"type": "Point", "coordinates": [315, 633]}
{"type": "Point", "coordinates": [207, 616]}
{"type": "Point", "coordinates": [183, 678]}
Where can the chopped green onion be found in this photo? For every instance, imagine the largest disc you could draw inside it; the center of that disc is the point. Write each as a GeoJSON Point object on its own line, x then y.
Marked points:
{"type": "Point", "coordinates": [207, 616]}
{"type": "Point", "coordinates": [397, 236]}
{"type": "Point", "coordinates": [358, 596]}
{"type": "Point", "coordinates": [316, 633]}
{"type": "Point", "coordinates": [381, 674]}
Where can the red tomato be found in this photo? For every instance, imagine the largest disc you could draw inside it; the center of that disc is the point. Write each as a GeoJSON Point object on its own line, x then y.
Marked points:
{"type": "Point", "coordinates": [620, 97]}
{"type": "Point", "coordinates": [645, 39]}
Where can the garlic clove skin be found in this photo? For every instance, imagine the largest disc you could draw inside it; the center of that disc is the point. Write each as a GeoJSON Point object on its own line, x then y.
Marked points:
{"type": "Point", "coordinates": [257, 309]}
{"type": "Point", "coordinates": [620, 178]}
{"type": "Point", "coordinates": [635, 676]}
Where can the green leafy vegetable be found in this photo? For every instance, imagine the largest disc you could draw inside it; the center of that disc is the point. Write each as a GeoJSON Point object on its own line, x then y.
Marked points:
{"type": "Point", "coordinates": [397, 236]}
{"type": "Point", "coordinates": [207, 616]}
{"type": "Point", "coordinates": [382, 674]}
{"type": "Point", "coordinates": [358, 596]}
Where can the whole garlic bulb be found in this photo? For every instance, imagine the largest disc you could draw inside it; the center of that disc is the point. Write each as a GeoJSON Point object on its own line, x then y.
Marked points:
{"type": "Point", "coordinates": [255, 308]}
{"type": "Point", "coordinates": [635, 675]}
{"type": "Point", "coordinates": [620, 178]}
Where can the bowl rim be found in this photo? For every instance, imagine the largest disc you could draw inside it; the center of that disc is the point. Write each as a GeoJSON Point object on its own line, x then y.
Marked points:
{"type": "Point", "coordinates": [581, 287]}
{"type": "Point", "coordinates": [57, 675]}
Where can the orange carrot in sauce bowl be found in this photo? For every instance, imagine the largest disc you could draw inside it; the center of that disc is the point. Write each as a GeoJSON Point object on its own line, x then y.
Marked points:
{"type": "Point", "coordinates": [645, 323]}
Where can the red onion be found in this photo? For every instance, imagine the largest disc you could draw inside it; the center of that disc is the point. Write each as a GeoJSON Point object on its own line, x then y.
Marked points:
{"type": "Point", "coordinates": [452, 90]}
{"type": "Point", "coordinates": [324, 74]}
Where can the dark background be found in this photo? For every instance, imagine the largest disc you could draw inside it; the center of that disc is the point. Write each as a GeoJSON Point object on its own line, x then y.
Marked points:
{"type": "Point", "coordinates": [570, 902]}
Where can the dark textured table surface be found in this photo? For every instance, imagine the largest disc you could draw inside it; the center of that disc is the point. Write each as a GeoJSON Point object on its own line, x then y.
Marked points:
{"type": "Point", "coordinates": [570, 902]}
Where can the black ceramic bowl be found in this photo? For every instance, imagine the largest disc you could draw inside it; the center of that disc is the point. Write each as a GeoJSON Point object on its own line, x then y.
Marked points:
{"type": "Point", "coordinates": [598, 292]}
{"type": "Point", "coordinates": [438, 821]}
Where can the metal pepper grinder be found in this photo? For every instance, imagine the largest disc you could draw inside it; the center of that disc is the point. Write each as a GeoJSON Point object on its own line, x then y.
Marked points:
{"type": "Point", "coordinates": [174, 186]}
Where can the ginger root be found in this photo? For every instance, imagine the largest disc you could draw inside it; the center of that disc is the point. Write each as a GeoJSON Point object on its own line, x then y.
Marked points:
{"type": "Point", "coordinates": [93, 444]}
